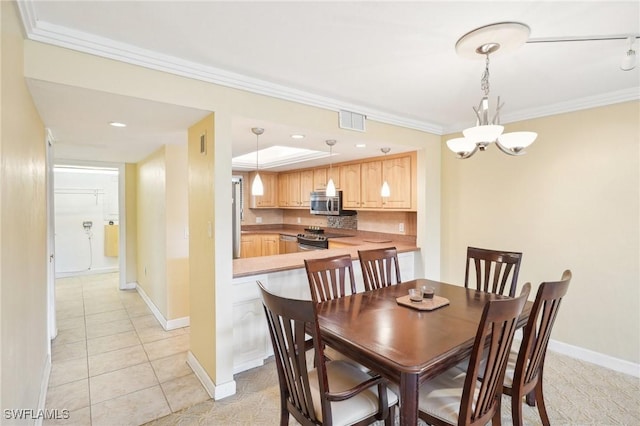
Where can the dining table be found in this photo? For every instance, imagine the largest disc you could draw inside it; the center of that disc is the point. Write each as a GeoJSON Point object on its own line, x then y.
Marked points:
{"type": "Point", "coordinates": [406, 345]}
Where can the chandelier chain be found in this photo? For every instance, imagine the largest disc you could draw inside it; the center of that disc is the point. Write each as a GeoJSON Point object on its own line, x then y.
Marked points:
{"type": "Point", "coordinates": [484, 83]}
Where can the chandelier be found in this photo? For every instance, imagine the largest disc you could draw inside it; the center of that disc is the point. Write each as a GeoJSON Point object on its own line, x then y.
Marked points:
{"type": "Point", "coordinates": [485, 41]}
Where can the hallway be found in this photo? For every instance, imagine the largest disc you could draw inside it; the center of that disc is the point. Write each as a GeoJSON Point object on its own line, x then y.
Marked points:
{"type": "Point", "coordinates": [112, 362]}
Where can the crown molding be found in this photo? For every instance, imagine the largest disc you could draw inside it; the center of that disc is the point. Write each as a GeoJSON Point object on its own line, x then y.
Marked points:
{"type": "Point", "coordinates": [56, 35]}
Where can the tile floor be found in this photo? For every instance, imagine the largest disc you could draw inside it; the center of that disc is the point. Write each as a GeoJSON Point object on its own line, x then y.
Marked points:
{"type": "Point", "coordinates": [112, 362]}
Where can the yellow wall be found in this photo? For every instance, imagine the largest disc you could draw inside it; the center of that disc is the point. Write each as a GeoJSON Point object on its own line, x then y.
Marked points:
{"type": "Point", "coordinates": [570, 202]}
{"type": "Point", "coordinates": [152, 242]}
{"type": "Point", "coordinates": [177, 215]}
{"type": "Point", "coordinates": [23, 228]}
{"type": "Point", "coordinates": [131, 218]}
{"type": "Point", "coordinates": [201, 246]}
{"type": "Point", "coordinates": [162, 219]}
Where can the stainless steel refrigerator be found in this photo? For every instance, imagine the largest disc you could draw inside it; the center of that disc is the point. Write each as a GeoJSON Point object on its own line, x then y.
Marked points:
{"type": "Point", "coordinates": [236, 217]}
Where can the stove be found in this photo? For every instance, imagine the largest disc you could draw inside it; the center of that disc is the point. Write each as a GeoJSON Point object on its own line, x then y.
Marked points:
{"type": "Point", "coordinates": [314, 238]}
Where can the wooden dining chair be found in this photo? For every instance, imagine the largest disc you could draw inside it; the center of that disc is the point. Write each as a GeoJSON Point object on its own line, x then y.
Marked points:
{"type": "Point", "coordinates": [495, 271]}
{"type": "Point", "coordinates": [332, 392]}
{"type": "Point", "coordinates": [328, 277]}
{"type": "Point", "coordinates": [523, 376]}
{"type": "Point", "coordinates": [458, 396]}
{"type": "Point", "coordinates": [380, 267]}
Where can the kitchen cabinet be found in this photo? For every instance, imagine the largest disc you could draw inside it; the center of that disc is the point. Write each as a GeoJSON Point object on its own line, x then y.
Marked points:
{"type": "Point", "coordinates": [306, 186]}
{"type": "Point", "coordinates": [294, 189]}
{"type": "Point", "coordinates": [250, 332]}
{"type": "Point", "coordinates": [370, 184]}
{"type": "Point", "coordinates": [254, 245]}
{"type": "Point", "coordinates": [350, 179]}
{"type": "Point", "coordinates": [270, 197]}
{"type": "Point", "coordinates": [397, 172]}
{"type": "Point", "coordinates": [320, 179]}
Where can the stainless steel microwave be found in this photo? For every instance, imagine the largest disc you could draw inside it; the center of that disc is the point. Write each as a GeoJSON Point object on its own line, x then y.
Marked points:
{"type": "Point", "coordinates": [323, 204]}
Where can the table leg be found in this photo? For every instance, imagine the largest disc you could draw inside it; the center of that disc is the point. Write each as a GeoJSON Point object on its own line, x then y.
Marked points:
{"type": "Point", "coordinates": [408, 399]}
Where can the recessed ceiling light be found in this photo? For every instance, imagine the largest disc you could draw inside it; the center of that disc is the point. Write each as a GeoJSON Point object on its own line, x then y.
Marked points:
{"type": "Point", "coordinates": [361, 145]}
{"type": "Point", "coordinates": [297, 136]}
{"type": "Point", "coordinates": [117, 124]}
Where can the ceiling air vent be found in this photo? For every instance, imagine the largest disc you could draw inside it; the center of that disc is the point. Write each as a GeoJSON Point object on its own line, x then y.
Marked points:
{"type": "Point", "coordinates": [351, 120]}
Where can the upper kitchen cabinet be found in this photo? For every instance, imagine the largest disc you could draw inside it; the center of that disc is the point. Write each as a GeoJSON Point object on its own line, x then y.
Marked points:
{"type": "Point", "coordinates": [322, 175]}
{"type": "Point", "coordinates": [361, 183]}
{"type": "Point", "coordinates": [270, 197]}
{"type": "Point", "coordinates": [294, 189]}
{"type": "Point", "coordinates": [350, 179]}
{"type": "Point", "coordinates": [397, 172]}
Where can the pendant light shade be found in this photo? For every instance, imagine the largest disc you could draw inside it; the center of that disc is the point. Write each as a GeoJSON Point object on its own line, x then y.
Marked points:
{"type": "Point", "coordinates": [331, 187]}
{"type": "Point", "coordinates": [385, 191]}
{"type": "Point", "coordinates": [257, 189]}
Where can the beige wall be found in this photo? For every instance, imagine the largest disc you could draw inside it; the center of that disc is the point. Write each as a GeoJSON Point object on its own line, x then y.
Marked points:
{"type": "Point", "coordinates": [131, 218]}
{"type": "Point", "coordinates": [570, 203]}
{"type": "Point", "coordinates": [23, 232]}
{"type": "Point", "coordinates": [177, 227]}
{"type": "Point", "coordinates": [151, 237]}
{"type": "Point", "coordinates": [162, 223]}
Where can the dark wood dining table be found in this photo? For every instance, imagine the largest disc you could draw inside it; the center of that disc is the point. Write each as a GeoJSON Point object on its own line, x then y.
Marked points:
{"type": "Point", "coordinates": [405, 345]}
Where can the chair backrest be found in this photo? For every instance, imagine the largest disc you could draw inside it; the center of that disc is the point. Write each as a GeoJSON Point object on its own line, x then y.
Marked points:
{"type": "Point", "coordinates": [380, 267]}
{"type": "Point", "coordinates": [289, 321]}
{"type": "Point", "coordinates": [537, 332]}
{"type": "Point", "coordinates": [489, 356]}
{"type": "Point", "coordinates": [327, 277]}
{"type": "Point", "coordinates": [495, 271]}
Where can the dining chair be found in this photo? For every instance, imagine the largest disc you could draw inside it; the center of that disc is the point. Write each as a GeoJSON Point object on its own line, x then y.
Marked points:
{"type": "Point", "coordinates": [331, 392]}
{"type": "Point", "coordinates": [458, 396]}
{"type": "Point", "coordinates": [493, 270]}
{"type": "Point", "coordinates": [328, 276]}
{"type": "Point", "coordinates": [380, 267]}
{"type": "Point", "coordinates": [524, 371]}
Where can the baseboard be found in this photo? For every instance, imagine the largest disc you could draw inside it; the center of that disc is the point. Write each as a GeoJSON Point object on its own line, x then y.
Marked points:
{"type": "Point", "coordinates": [596, 358]}
{"type": "Point", "coordinates": [216, 392]}
{"type": "Point", "coordinates": [129, 286]}
{"type": "Point", "coordinates": [44, 385]}
{"type": "Point", "coordinates": [248, 365]}
{"type": "Point", "coordinates": [86, 272]}
{"type": "Point", "coordinates": [166, 324]}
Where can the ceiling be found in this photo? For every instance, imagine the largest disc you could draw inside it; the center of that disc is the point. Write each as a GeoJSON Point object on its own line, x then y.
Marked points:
{"type": "Point", "coordinates": [394, 62]}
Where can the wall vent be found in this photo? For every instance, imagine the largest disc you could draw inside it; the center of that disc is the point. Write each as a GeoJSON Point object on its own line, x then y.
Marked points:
{"type": "Point", "coordinates": [351, 120]}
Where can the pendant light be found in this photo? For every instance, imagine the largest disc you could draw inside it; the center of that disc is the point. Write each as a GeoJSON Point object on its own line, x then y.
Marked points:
{"type": "Point", "coordinates": [331, 187]}
{"type": "Point", "coordinates": [385, 191]}
{"type": "Point", "coordinates": [257, 188]}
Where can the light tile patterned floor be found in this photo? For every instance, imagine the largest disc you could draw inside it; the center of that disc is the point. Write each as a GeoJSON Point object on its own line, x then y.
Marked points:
{"type": "Point", "coordinates": [112, 362]}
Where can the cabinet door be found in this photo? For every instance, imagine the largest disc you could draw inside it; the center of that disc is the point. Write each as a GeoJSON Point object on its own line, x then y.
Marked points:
{"type": "Point", "coordinates": [397, 172]}
{"type": "Point", "coordinates": [350, 180]}
{"type": "Point", "coordinates": [306, 186]}
{"type": "Point", "coordinates": [270, 244]}
{"type": "Point", "coordinates": [370, 184]}
{"type": "Point", "coordinates": [270, 197]}
{"type": "Point", "coordinates": [294, 190]}
{"type": "Point", "coordinates": [283, 190]}
{"type": "Point", "coordinates": [320, 179]}
{"type": "Point", "coordinates": [250, 246]}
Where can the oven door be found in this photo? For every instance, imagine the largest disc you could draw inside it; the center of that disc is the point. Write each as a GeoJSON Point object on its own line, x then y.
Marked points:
{"type": "Point", "coordinates": [307, 247]}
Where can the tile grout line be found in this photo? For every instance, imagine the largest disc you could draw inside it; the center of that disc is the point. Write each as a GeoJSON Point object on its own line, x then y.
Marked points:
{"type": "Point", "coordinates": [86, 344]}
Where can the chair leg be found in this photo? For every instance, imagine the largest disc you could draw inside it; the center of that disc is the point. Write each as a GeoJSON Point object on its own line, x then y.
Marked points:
{"type": "Point", "coordinates": [391, 417]}
{"type": "Point", "coordinates": [516, 410]}
{"type": "Point", "coordinates": [497, 416]}
{"type": "Point", "coordinates": [540, 400]}
{"type": "Point", "coordinates": [530, 398]}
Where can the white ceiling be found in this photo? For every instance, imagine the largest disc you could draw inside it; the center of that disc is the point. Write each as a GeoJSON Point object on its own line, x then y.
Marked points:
{"type": "Point", "coordinates": [391, 61]}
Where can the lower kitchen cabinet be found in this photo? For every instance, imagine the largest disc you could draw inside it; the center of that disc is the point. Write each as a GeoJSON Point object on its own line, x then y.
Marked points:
{"type": "Point", "coordinates": [254, 245]}
{"type": "Point", "coordinates": [250, 332]}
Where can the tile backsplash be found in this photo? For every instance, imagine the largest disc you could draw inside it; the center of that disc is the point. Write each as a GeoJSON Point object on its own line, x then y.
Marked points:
{"type": "Point", "coordinates": [343, 222]}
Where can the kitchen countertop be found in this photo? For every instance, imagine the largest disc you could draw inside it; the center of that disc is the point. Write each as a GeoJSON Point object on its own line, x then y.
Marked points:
{"type": "Point", "coordinates": [358, 240]}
